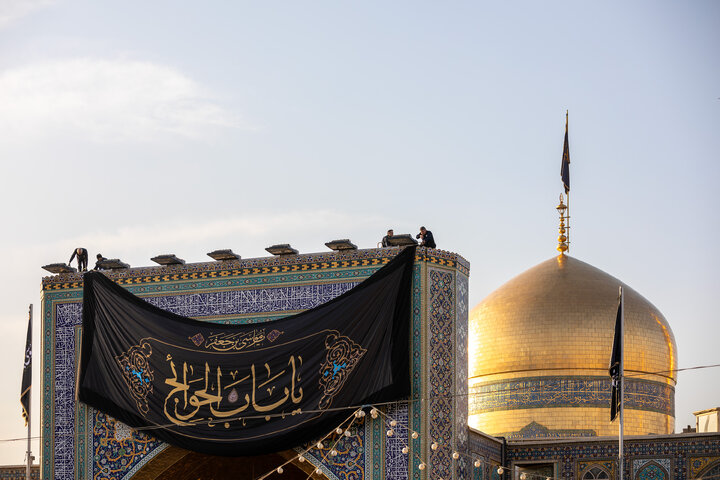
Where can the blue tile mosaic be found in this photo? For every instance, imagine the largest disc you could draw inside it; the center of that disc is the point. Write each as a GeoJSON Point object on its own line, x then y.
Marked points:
{"type": "Point", "coordinates": [396, 462]}
{"type": "Point", "coordinates": [567, 391]}
{"type": "Point", "coordinates": [244, 302]}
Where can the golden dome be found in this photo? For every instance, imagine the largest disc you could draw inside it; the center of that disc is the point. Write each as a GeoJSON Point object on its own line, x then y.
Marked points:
{"type": "Point", "coordinates": [539, 352]}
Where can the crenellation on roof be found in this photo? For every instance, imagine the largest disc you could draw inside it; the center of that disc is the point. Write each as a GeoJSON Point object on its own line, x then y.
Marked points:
{"type": "Point", "coordinates": [262, 265]}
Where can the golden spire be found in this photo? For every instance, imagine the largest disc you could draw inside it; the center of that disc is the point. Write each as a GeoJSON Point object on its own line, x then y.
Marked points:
{"type": "Point", "coordinates": [562, 239]}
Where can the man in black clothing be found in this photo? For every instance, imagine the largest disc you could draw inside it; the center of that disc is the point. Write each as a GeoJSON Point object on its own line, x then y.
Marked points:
{"type": "Point", "coordinates": [82, 258]}
{"type": "Point", "coordinates": [426, 237]}
{"type": "Point", "coordinates": [100, 258]}
{"type": "Point", "coordinates": [385, 240]}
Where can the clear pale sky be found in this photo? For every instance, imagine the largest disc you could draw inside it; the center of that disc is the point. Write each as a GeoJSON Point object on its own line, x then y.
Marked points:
{"type": "Point", "coordinates": [141, 128]}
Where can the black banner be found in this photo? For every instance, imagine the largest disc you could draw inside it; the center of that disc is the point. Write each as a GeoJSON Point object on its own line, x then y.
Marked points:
{"type": "Point", "coordinates": [565, 168]}
{"type": "Point", "coordinates": [616, 362]}
{"type": "Point", "coordinates": [27, 372]}
{"type": "Point", "coordinates": [239, 390]}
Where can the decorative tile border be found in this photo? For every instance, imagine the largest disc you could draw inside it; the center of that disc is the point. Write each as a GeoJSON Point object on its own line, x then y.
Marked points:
{"type": "Point", "coordinates": [17, 472]}
{"type": "Point", "coordinates": [460, 407]}
{"type": "Point", "coordinates": [418, 356]}
{"type": "Point", "coordinates": [441, 306]}
{"type": "Point", "coordinates": [396, 462]}
{"type": "Point", "coordinates": [259, 266]}
{"type": "Point", "coordinates": [569, 391]}
{"type": "Point", "coordinates": [536, 430]}
{"type": "Point", "coordinates": [67, 317]}
{"type": "Point", "coordinates": [680, 449]}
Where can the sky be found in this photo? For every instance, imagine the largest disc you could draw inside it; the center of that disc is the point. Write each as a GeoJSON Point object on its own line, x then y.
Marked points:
{"type": "Point", "coordinates": [140, 128]}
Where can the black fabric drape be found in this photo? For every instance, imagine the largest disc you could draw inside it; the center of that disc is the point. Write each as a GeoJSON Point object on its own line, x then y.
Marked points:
{"type": "Point", "coordinates": [239, 390]}
{"type": "Point", "coordinates": [616, 359]}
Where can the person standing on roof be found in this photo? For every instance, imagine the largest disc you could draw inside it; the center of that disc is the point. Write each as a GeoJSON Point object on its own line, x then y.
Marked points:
{"type": "Point", "coordinates": [386, 238]}
{"type": "Point", "coordinates": [427, 239]}
{"type": "Point", "coordinates": [82, 258]}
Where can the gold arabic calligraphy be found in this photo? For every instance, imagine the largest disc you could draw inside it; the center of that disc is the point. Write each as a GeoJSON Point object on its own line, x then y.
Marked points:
{"type": "Point", "coordinates": [225, 342]}
{"type": "Point", "coordinates": [194, 388]}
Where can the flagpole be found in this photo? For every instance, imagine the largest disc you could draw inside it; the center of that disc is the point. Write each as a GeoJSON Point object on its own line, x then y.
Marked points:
{"type": "Point", "coordinates": [567, 113]}
{"type": "Point", "coordinates": [28, 468]}
{"type": "Point", "coordinates": [568, 220]}
{"type": "Point", "coordinates": [622, 385]}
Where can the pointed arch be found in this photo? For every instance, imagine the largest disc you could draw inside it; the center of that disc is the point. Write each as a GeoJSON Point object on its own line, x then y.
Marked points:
{"type": "Point", "coordinates": [711, 471]}
{"type": "Point", "coordinates": [652, 470]}
{"type": "Point", "coordinates": [595, 471]}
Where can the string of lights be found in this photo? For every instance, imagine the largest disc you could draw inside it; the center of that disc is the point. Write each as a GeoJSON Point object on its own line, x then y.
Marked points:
{"type": "Point", "coordinates": [345, 431]}
{"type": "Point", "coordinates": [427, 398]}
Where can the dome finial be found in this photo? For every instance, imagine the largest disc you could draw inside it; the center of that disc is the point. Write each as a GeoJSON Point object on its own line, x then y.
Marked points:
{"type": "Point", "coordinates": [562, 239]}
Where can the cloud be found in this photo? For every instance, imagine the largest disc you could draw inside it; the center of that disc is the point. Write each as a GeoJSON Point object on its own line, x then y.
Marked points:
{"type": "Point", "coordinates": [107, 101]}
{"type": "Point", "coordinates": [12, 10]}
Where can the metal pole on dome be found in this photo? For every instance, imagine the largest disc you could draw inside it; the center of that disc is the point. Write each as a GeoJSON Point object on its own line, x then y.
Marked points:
{"type": "Point", "coordinates": [568, 220]}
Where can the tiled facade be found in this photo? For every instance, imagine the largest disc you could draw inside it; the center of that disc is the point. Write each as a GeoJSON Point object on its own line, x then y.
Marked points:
{"type": "Point", "coordinates": [666, 457]}
{"type": "Point", "coordinates": [17, 472]}
{"type": "Point", "coordinates": [82, 443]}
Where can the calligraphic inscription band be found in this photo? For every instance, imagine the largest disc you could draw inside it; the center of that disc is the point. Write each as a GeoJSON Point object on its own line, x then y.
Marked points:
{"type": "Point", "coordinates": [240, 390]}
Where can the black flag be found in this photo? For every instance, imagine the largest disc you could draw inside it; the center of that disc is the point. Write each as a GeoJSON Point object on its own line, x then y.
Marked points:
{"type": "Point", "coordinates": [27, 373]}
{"type": "Point", "coordinates": [565, 169]}
{"type": "Point", "coordinates": [616, 365]}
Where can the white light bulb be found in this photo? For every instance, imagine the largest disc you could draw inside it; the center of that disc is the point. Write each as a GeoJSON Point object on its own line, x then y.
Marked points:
{"type": "Point", "coordinates": [347, 433]}
{"type": "Point", "coordinates": [500, 470]}
{"type": "Point", "coordinates": [477, 463]}
{"type": "Point", "coordinates": [456, 455]}
{"type": "Point", "coordinates": [333, 452]}
{"type": "Point", "coordinates": [414, 435]}
{"type": "Point", "coordinates": [393, 423]}
{"type": "Point", "coordinates": [338, 430]}
{"type": "Point", "coordinates": [319, 445]}
{"type": "Point", "coordinates": [318, 471]}
{"type": "Point", "coordinates": [421, 466]}
{"type": "Point", "coordinates": [390, 433]}
{"type": "Point", "coordinates": [301, 459]}
{"type": "Point", "coordinates": [280, 470]}
{"type": "Point", "coordinates": [523, 476]}
{"type": "Point", "coordinates": [405, 450]}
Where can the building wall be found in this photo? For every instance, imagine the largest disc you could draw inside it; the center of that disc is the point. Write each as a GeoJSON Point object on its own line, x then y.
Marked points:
{"type": "Point", "coordinates": [17, 472]}
{"type": "Point", "coordinates": [80, 442]}
{"type": "Point", "coordinates": [656, 457]}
